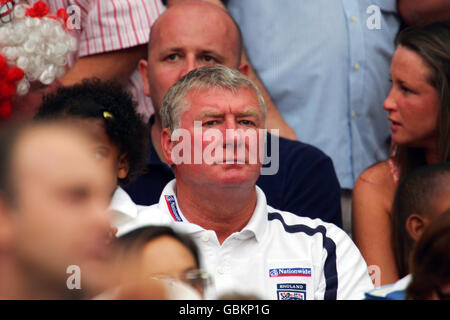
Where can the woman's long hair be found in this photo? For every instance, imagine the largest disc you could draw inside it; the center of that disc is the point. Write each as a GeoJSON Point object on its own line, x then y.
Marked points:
{"type": "Point", "coordinates": [432, 44]}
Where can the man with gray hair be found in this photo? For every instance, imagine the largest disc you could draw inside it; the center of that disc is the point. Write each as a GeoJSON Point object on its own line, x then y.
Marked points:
{"type": "Point", "coordinates": [247, 246]}
{"type": "Point", "coordinates": [195, 34]}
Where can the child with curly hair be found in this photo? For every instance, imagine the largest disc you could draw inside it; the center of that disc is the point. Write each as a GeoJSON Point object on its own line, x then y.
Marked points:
{"type": "Point", "coordinates": [106, 111]}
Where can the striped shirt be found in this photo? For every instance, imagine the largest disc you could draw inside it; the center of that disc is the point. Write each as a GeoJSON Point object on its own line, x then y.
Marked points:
{"type": "Point", "coordinates": [110, 25]}
{"type": "Point", "coordinates": [278, 255]}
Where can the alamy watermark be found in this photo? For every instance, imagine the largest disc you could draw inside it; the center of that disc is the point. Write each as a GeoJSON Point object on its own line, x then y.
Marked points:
{"type": "Point", "coordinates": [74, 280]}
{"type": "Point", "coordinates": [373, 22]}
{"type": "Point", "coordinates": [375, 275]}
{"type": "Point", "coordinates": [74, 20]}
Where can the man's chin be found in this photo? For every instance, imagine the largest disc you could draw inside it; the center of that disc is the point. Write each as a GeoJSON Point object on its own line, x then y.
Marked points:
{"type": "Point", "coordinates": [236, 178]}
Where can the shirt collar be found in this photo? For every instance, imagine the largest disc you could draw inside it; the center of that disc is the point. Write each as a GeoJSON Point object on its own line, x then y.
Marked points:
{"type": "Point", "coordinates": [258, 222]}
{"type": "Point", "coordinates": [256, 226]}
{"type": "Point", "coordinates": [122, 206]}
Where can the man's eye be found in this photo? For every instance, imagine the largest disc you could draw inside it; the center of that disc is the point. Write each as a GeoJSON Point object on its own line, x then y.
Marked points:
{"type": "Point", "coordinates": [247, 123]}
{"type": "Point", "coordinates": [210, 123]}
{"type": "Point", "coordinates": [209, 59]}
{"type": "Point", "coordinates": [172, 57]}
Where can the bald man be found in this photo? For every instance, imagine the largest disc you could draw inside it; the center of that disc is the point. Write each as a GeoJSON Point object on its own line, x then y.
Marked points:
{"type": "Point", "coordinates": [54, 224]}
{"type": "Point", "coordinates": [193, 34]}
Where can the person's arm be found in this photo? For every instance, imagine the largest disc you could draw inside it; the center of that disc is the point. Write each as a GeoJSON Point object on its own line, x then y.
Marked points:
{"type": "Point", "coordinates": [274, 119]}
{"type": "Point", "coordinates": [420, 12]}
{"type": "Point", "coordinates": [371, 220]}
{"type": "Point", "coordinates": [116, 65]}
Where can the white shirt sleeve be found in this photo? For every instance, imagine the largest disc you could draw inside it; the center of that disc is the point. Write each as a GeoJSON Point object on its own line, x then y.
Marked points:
{"type": "Point", "coordinates": [352, 273]}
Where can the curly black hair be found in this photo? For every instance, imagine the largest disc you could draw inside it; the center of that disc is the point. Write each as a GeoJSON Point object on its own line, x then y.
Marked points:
{"type": "Point", "coordinates": [109, 101]}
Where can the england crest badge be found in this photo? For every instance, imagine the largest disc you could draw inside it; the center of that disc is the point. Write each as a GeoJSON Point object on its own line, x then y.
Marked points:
{"type": "Point", "coordinates": [291, 291]}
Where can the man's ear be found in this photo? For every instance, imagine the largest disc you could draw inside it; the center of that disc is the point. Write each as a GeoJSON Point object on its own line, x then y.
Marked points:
{"type": "Point", "coordinates": [415, 224]}
{"type": "Point", "coordinates": [143, 70]}
{"type": "Point", "coordinates": [167, 145]}
{"type": "Point", "coordinates": [124, 166]}
{"type": "Point", "coordinates": [243, 68]}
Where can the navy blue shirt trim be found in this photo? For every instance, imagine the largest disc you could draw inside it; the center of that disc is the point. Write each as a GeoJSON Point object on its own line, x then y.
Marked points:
{"type": "Point", "coordinates": [330, 269]}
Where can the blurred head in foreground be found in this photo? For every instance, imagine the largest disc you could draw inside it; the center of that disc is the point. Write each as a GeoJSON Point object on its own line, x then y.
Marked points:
{"type": "Point", "coordinates": [54, 226]}
{"type": "Point", "coordinates": [159, 253]}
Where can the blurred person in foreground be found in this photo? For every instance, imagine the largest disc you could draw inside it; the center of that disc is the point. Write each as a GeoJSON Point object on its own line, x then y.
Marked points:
{"type": "Point", "coordinates": [106, 111]}
{"type": "Point", "coordinates": [212, 137]}
{"type": "Point", "coordinates": [54, 196]}
{"type": "Point", "coordinates": [158, 256]}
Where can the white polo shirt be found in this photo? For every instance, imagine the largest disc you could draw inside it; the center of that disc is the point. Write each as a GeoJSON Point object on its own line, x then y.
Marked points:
{"type": "Point", "coordinates": [278, 255]}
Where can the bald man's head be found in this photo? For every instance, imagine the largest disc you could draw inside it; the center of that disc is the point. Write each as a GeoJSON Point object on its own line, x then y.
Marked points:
{"type": "Point", "coordinates": [199, 9]}
{"type": "Point", "coordinates": [185, 37]}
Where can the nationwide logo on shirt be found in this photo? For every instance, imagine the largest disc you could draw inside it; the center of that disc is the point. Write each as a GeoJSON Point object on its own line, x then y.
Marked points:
{"type": "Point", "coordinates": [290, 272]}
{"type": "Point", "coordinates": [291, 291]}
{"type": "Point", "coordinates": [172, 206]}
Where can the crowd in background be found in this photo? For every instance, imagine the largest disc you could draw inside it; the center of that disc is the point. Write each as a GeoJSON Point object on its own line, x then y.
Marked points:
{"type": "Point", "coordinates": [350, 200]}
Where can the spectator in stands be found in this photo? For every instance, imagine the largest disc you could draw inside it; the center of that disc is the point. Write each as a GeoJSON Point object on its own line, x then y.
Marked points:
{"type": "Point", "coordinates": [54, 197]}
{"type": "Point", "coordinates": [247, 246]}
{"type": "Point", "coordinates": [429, 276]}
{"type": "Point", "coordinates": [327, 70]}
{"type": "Point", "coordinates": [418, 107]}
{"type": "Point", "coordinates": [430, 262]}
{"type": "Point", "coordinates": [195, 34]}
{"type": "Point", "coordinates": [274, 118]}
{"type": "Point", "coordinates": [107, 112]}
{"type": "Point", "coordinates": [421, 197]}
{"type": "Point", "coordinates": [159, 253]}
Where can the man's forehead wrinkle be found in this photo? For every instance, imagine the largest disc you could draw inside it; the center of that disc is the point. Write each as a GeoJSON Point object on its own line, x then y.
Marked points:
{"type": "Point", "coordinates": [220, 107]}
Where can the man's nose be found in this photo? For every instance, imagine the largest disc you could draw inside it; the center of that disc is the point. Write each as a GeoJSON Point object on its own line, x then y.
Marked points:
{"type": "Point", "coordinates": [189, 65]}
{"type": "Point", "coordinates": [232, 133]}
